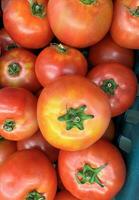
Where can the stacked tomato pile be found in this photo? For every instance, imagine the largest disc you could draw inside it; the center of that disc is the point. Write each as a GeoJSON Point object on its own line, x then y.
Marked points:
{"type": "Point", "coordinates": [66, 70]}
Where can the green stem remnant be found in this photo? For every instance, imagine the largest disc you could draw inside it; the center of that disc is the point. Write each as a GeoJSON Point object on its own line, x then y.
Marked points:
{"type": "Point", "coordinates": [10, 46]}
{"type": "Point", "coordinates": [134, 11]}
{"type": "Point", "coordinates": [75, 118]}
{"type": "Point", "coordinates": [9, 125]}
{"type": "Point", "coordinates": [88, 2]}
{"type": "Point", "coordinates": [14, 69]}
{"type": "Point", "coordinates": [109, 86]}
{"type": "Point", "coordinates": [61, 48]}
{"type": "Point", "coordinates": [37, 9]}
{"type": "Point", "coordinates": [90, 175]}
{"type": "Point", "coordinates": [34, 195]}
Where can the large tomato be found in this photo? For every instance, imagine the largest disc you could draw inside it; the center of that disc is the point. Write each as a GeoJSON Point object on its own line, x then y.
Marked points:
{"type": "Point", "coordinates": [17, 113]}
{"type": "Point", "coordinates": [108, 51]}
{"type": "Point", "coordinates": [29, 175]}
{"type": "Point", "coordinates": [38, 141]}
{"type": "Point", "coordinates": [80, 23]}
{"type": "Point", "coordinates": [125, 25]}
{"type": "Point", "coordinates": [17, 69]}
{"type": "Point", "coordinates": [57, 60]}
{"type": "Point", "coordinates": [65, 195]}
{"type": "Point", "coordinates": [118, 82]}
{"type": "Point", "coordinates": [96, 173]}
{"type": "Point", "coordinates": [27, 23]}
{"type": "Point", "coordinates": [73, 113]}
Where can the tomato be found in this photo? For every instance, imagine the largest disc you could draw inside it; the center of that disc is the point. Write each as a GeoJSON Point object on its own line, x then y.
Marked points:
{"type": "Point", "coordinates": [17, 69]}
{"type": "Point", "coordinates": [17, 113]}
{"type": "Point", "coordinates": [72, 113]}
{"type": "Point", "coordinates": [80, 23]}
{"type": "Point", "coordinates": [37, 141]}
{"type": "Point", "coordinates": [118, 82]}
{"type": "Point", "coordinates": [108, 51]}
{"type": "Point", "coordinates": [65, 195]}
{"type": "Point", "coordinates": [57, 60]}
{"type": "Point", "coordinates": [30, 173]}
{"type": "Point", "coordinates": [97, 172]}
{"type": "Point", "coordinates": [6, 42]}
{"type": "Point", "coordinates": [27, 23]}
{"type": "Point", "coordinates": [7, 148]}
{"type": "Point", "coordinates": [125, 25]}
{"type": "Point", "coordinates": [110, 132]}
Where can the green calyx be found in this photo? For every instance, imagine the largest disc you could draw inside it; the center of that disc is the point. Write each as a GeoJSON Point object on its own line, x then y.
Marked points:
{"type": "Point", "coordinates": [109, 86]}
{"type": "Point", "coordinates": [75, 117]}
{"type": "Point", "coordinates": [61, 48]}
{"type": "Point", "coordinates": [134, 11]}
{"type": "Point", "coordinates": [9, 125]}
{"type": "Point", "coordinates": [14, 69]}
{"type": "Point", "coordinates": [37, 9]}
{"type": "Point", "coordinates": [88, 2]}
{"type": "Point", "coordinates": [34, 195]}
{"type": "Point", "coordinates": [10, 46]}
{"type": "Point", "coordinates": [90, 175]}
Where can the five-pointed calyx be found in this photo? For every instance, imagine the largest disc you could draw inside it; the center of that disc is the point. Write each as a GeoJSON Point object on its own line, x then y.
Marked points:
{"type": "Point", "coordinates": [109, 86]}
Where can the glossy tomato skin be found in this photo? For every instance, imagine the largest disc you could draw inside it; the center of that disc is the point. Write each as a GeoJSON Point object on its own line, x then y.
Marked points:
{"type": "Point", "coordinates": [125, 25]}
{"type": "Point", "coordinates": [38, 141]}
{"type": "Point", "coordinates": [7, 148]}
{"type": "Point", "coordinates": [26, 76]}
{"type": "Point", "coordinates": [27, 29]}
{"type": "Point", "coordinates": [35, 171]}
{"type": "Point", "coordinates": [65, 195]}
{"type": "Point", "coordinates": [126, 81]}
{"type": "Point", "coordinates": [112, 176]}
{"type": "Point", "coordinates": [107, 51]}
{"type": "Point", "coordinates": [17, 113]}
{"type": "Point", "coordinates": [71, 93]}
{"type": "Point", "coordinates": [110, 132]}
{"type": "Point", "coordinates": [57, 60]}
{"type": "Point", "coordinates": [78, 24]}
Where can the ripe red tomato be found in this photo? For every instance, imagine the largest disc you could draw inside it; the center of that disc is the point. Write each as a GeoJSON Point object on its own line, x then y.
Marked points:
{"type": "Point", "coordinates": [57, 60]}
{"type": "Point", "coordinates": [125, 25]}
{"type": "Point", "coordinates": [6, 42]}
{"type": "Point", "coordinates": [110, 132]}
{"type": "Point", "coordinates": [17, 69]}
{"type": "Point", "coordinates": [7, 148]}
{"type": "Point", "coordinates": [94, 173]}
{"type": "Point", "coordinates": [17, 113]}
{"type": "Point", "coordinates": [73, 113]}
{"type": "Point", "coordinates": [65, 195]}
{"type": "Point", "coordinates": [27, 174]}
{"type": "Point", "coordinates": [27, 23]}
{"type": "Point", "coordinates": [80, 23]}
{"type": "Point", "coordinates": [38, 141]}
{"type": "Point", "coordinates": [118, 82]}
{"type": "Point", "coordinates": [108, 51]}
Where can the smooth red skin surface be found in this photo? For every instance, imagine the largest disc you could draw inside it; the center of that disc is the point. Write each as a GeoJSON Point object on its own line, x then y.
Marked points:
{"type": "Point", "coordinates": [51, 64]}
{"type": "Point", "coordinates": [27, 77]}
{"type": "Point", "coordinates": [38, 141]}
{"type": "Point", "coordinates": [7, 148]}
{"type": "Point", "coordinates": [127, 85]}
{"type": "Point", "coordinates": [77, 24]}
{"type": "Point", "coordinates": [5, 40]}
{"type": "Point", "coordinates": [19, 105]}
{"type": "Point", "coordinates": [26, 29]}
{"type": "Point", "coordinates": [24, 172]}
{"type": "Point", "coordinates": [65, 195]}
{"type": "Point", "coordinates": [3, 4]}
{"type": "Point", "coordinates": [66, 92]}
{"type": "Point", "coordinates": [125, 27]}
{"type": "Point", "coordinates": [108, 51]}
{"type": "Point", "coordinates": [110, 132]}
{"type": "Point", "coordinates": [112, 176]}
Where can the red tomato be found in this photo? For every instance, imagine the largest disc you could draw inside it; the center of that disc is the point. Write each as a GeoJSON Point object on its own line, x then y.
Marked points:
{"type": "Point", "coordinates": [6, 42]}
{"type": "Point", "coordinates": [38, 141]}
{"type": "Point", "coordinates": [17, 69]}
{"type": "Point", "coordinates": [108, 51]}
{"type": "Point", "coordinates": [27, 175]}
{"type": "Point", "coordinates": [57, 60]}
{"type": "Point", "coordinates": [80, 23]}
{"type": "Point", "coordinates": [27, 23]}
{"type": "Point", "coordinates": [118, 82]}
{"type": "Point", "coordinates": [96, 173]}
{"type": "Point", "coordinates": [73, 113]}
{"type": "Point", "coordinates": [17, 113]}
{"type": "Point", "coordinates": [110, 132]}
{"type": "Point", "coordinates": [65, 195]}
{"type": "Point", "coordinates": [125, 25]}
{"type": "Point", "coordinates": [7, 148]}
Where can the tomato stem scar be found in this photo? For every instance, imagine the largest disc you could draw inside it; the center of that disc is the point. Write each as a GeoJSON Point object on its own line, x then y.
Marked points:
{"type": "Point", "coordinates": [34, 195]}
{"type": "Point", "coordinates": [14, 69]}
{"type": "Point", "coordinates": [109, 86]}
{"type": "Point", "coordinates": [9, 125]}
